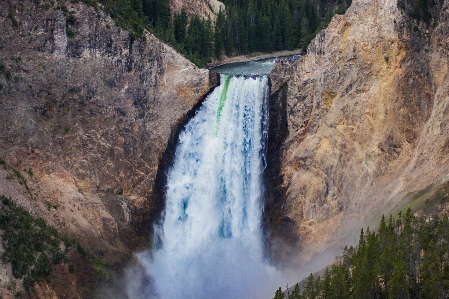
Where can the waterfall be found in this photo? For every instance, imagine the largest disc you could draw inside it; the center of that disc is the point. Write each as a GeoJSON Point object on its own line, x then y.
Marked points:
{"type": "Point", "coordinates": [210, 239]}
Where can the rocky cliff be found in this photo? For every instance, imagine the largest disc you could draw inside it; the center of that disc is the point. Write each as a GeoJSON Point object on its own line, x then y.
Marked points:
{"type": "Point", "coordinates": [203, 8]}
{"type": "Point", "coordinates": [86, 116]}
{"type": "Point", "coordinates": [367, 114]}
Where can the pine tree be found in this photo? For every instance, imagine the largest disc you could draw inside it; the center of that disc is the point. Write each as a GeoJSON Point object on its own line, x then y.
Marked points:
{"type": "Point", "coordinates": [162, 13]}
{"type": "Point", "coordinates": [278, 31]}
{"type": "Point", "coordinates": [310, 290]}
{"type": "Point", "coordinates": [384, 266]}
{"type": "Point", "coordinates": [326, 285]}
{"type": "Point", "coordinates": [207, 39]}
{"type": "Point", "coordinates": [361, 288]}
{"type": "Point", "coordinates": [407, 258]}
{"type": "Point", "coordinates": [296, 293]}
{"type": "Point", "coordinates": [305, 32]}
{"type": "Point", "coordinates": [288, 28]}
{"type": "Point", "coordinates": [137, 6]}
{"type": "Point", "coordinates": [180, 26]}
{"type": "Point", "coordinates": [149, 11]}
{"type": "Point", "coordinates": [266, 35]}
{"type": "Point", "coordinates": [244, 38]}
{"type": "Point", "coordinates": [431, 274]}
{"type": "Point", "coordinates": [220, 34]}
{"type": "Point", "coordinates": [398, 288]}
{"type": "Point", "coordinates": [279, 294]}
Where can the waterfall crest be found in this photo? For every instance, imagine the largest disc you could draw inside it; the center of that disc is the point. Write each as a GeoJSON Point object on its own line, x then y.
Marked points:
{"type": "Point", "coordinates": [210, 238]}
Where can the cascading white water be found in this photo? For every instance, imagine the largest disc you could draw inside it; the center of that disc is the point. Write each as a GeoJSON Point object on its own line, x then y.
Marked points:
{"type": "Point", "coordinates": [210, 237]}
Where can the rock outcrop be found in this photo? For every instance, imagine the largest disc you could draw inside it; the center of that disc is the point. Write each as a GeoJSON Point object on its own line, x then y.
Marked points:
{"type": "Point", "coordinates": [86, 115]}
{"type": "Point", "coordinates": [367, 127]}
{"type": "Point", "coordinates": [202, 8]}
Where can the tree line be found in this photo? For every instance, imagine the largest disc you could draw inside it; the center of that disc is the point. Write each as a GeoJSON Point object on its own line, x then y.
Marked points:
{"type": "Point", "coordinates": [245, 27]}
{"type": "Point", "coordinates": [264, 26]}
{"type": "Point", "coordinates": [408, 257]}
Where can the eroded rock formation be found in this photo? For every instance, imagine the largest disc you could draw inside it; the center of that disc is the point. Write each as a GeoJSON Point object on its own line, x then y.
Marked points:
{"type": "Point", "coordinates": [367, 126]}
{"type": "Point", "coordinates": [90, 112]}
{"type": "Point", "coordinates": [203, 8]}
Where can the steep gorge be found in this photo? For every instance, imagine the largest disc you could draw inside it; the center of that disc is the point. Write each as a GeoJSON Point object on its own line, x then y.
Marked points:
{"type": "Point", "coordinates": [367, 133]}
{"type": "Point", "coordinates": [360, 128]}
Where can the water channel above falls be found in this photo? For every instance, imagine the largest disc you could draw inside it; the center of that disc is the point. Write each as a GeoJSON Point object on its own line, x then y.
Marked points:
{"type": "Point", "coordinates": [250, 68]}
{"type": "Point", "coordinates": [209, 241]}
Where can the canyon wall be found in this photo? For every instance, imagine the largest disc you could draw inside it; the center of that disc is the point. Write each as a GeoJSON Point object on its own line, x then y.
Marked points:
{"type": "Point", "coordinates": [86, 115]}
{"type": "Point", "coordinates": [359, 127]}
{"type": "Point", "coordinates": [202, 8]}
{"type": "Point", "coordinates": [367, 112]}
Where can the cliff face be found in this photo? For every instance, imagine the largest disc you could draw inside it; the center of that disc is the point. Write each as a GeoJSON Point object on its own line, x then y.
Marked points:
{"type": "Point", "coordinates": [367, 126]}
{"type": "Point", "coordinates": [90, 113]}
{"type": "Point", "coordinates": [203, 8]}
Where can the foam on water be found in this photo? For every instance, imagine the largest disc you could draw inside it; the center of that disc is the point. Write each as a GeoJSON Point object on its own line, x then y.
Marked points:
{"type": "Point", "coordinates": [210, 238]}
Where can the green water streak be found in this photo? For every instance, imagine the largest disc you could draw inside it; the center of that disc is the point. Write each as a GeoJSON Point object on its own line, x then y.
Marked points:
{"type": "Point", "coordinates": [223, 96]}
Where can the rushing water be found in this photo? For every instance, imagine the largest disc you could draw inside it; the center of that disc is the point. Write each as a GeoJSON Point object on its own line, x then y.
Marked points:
{"type": "Point", "coordinates": [210, 240]}
{"type": "Point", "coordinates": [250, 68]}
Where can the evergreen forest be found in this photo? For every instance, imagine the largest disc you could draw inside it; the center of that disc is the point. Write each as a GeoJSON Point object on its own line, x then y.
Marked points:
{"type": "Point", "coordinates": [264, 26]}
{"type": "Point", "coordinates": [247, 26]}
{"type": "Point", "coordinates": [407, 257]}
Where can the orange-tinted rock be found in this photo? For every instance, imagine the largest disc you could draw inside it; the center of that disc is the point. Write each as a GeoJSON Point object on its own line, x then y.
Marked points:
{"type": "Point", "coordinates": [366, 126]}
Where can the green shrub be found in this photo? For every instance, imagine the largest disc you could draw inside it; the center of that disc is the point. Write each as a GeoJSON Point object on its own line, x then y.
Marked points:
{"type": "Point", "coordinates": [31, 246]}
{"type": "Point", "coordinates": [99, 268]}
{"type": "Point", "coordinates": [22, 180]}
{"type": "Point", "coordinates": [8, 74]}
{"type": "Point", "coordinates": [80, 249]}
{"type": "Point", "coordinates": [70, 33]}
{"type": "Point", "coordinates": [13, 20]}
{"type": "Point", "coordinates": [71, 19]}
{"type": "Point", "coordinates": [63, 8]}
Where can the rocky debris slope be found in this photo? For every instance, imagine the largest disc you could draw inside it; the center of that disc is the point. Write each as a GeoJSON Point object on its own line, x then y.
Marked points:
{"type": "Point", "coordinates": [367, 113]}
{"type": "Point", "coordinates": [86, 115]}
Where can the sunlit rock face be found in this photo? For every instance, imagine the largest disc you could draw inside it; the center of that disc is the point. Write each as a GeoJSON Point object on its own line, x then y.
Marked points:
{"type": "Point", "coordinates": [202, 8]}
{"type": "Point", "coordinates": [367, 127]}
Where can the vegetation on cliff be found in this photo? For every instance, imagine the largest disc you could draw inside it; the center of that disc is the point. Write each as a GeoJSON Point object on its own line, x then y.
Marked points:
{"type": "Point", "coordinates": [406, 258]}
{"type": "Point", "coordinates": [263, 25]}
{"type": "Point", "coordinates": [245, 27]}
{"type": "Point", "coordinates": [32, 246]}
{"type": "Point", "coordinates": [422, 10]}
